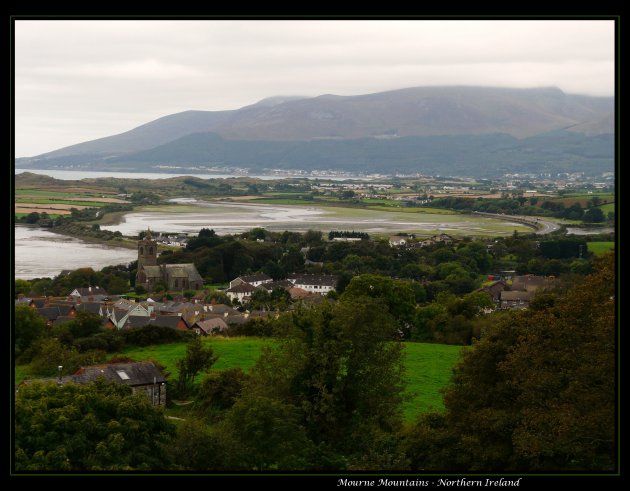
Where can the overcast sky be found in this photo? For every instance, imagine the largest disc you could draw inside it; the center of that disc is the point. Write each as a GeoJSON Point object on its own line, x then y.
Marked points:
{"type": "Point", "coordinates": [81, 80]}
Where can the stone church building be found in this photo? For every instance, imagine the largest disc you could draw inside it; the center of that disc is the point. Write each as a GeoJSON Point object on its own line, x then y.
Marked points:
{"type": "Point", "coordinates": [174, 276]}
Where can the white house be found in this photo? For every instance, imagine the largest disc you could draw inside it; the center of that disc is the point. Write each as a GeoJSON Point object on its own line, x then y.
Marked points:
{"type": "Point", "coordinates": [315, 283]}
{"type": "Point", "coordinates": [398, 241]}
{"type": "Point", "coordinates": [240, 291]}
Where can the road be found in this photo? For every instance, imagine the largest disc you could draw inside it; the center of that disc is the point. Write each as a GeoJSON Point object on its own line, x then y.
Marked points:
{"type": "Point", "coordinates": [542, 226]}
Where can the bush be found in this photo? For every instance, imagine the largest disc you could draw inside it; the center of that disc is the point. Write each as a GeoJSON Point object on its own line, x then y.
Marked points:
{"type": "Point", "coordinates": [253, 327]}
{"type": "Point", "coordinates": [220, 389]}
{"type": "Point", "coordinates": [107, 341]}
{"type": "Point", "coordinates": [146, 335]}
{"type": "Point", "coordinates": [52, 353]}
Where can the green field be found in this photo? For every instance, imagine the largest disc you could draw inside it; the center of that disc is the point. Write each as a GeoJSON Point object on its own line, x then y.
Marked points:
{"type": "Point", "coordinates": [610, 207]}
{"type": "Point", "coordinates": [61, 202]}
{"type": "Point", "coordinates": [50, 215]}
{"type": "Point", "coordinates": [599, 248]}
{"type": "Point", "coordinates": [52, 194]}
{"type": "Point", "coordinates": [232, 352]}
{"type": "Point", "coordinates": [428, 372]}
{"type": "Point", "coordinates": [428, 365]}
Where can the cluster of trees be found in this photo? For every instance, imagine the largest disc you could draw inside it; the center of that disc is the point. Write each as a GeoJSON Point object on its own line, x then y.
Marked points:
{"type": "Point", "coordinates": [96, 427]}
{"type": "Point", "coordinates": [114, 279]}
{"type": "Point", "coordinates": [535, 393]}
{"type": "Point", "coordinates": [34, 217]}
{"type": "Point", "coordinates": [522, 205]}
{"type": "Point", "coordinates": [92, 231]}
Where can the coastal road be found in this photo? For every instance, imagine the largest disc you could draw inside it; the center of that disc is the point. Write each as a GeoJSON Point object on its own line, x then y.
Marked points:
{"type": "Point", "coordinates": [542, 226]}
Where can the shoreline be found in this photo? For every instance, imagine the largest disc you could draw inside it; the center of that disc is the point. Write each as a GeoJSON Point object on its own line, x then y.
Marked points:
{"type": "Point", "coordinates": [113, 244]}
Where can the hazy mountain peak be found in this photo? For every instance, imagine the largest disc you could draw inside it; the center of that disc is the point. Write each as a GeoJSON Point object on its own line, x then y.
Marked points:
{"type": "Point", "coordinates": [284, 122]}
{"type": "Point", "coordinates": [277, 99]}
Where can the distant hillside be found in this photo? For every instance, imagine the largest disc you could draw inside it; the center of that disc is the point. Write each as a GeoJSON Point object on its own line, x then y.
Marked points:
{"type": "Point", "coordinates": [422, 128]}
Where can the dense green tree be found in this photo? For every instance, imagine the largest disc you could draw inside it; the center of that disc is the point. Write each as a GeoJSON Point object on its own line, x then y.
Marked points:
{"type": "Point", "coordinates": [216, 296]}
{"type": "Point", "coordinates": [32, 217]}
{"type": "Point", "coordinates": [313, 238]}
{"type": "Point", "coordinates": [257, 233]}
{"type": "Point", "coordinates": [219, 390]}
{"type": "Point", "coordinates": [398, 296]}
{"type": "Point", "coordinates": [341, 369]}
{"type": "Point", "coordinates": [594, 215]}
{"type": "Point", "coordinates": [49, 353]}
{"type": "Point", "coordinates": [265, 434]}
{"type": "Point", "coordinates": [29, 327]}
{"type": "Point", "coordinates": [95, 427]}
{"type": "Point", "coordinates": [196, 448]}
{"type": "Point", "coordinates": [116, 285]}
{"type": "Point", "coordinates": [22, 287]}
{"type": "Point", "coordinates": [292, 261]}
{"type": "Point", "coordinates": [536, 393]}
{"type": "Point", "coordinates": [197, 359]}
{"type": "Point", "coordinates": [85, 324]}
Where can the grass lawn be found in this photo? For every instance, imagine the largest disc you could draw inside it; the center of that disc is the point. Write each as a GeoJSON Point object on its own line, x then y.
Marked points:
{"type": "Point", "coordinates": [610, 207]}
{"type": "Point", "coordinates": [232, 352]}
{"type": "Point", "coordinates": [428, 365]}
{"type": "Point", "coordinates": [599, 248]}
{"type": "Point", "coordinates": [50, 215]}
{"type": "Point", "coordinates": [47, 201]}
{"type": "Point", "coordinates": [21, 372]}
{"type": "Point", "coordinates": [428, 372]}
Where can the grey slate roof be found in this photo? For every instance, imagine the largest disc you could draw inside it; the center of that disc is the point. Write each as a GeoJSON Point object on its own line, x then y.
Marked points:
{"type": "Point", "coordinates": [242, 288]}
{"type": "Point", "coordinates": [49, 313]}
{"type": "Point", "coordinates": [314, 279]}
{"type": "Point", "coordinates": [271, 286]}
{"type": "Point", "coordinates": [152, 271]}
{"type": "Point", "coordinates": [90, 291]}
{"type": "Point", "coordinates": [235, 319]}
{"type": "Point", "coordinates": [208, 325]}
{"type": "Point", "coordinates": [255, 277]}
{"type": "Point", "coordinates": [161, 321]}
{"type": "Point", "coordinates": [137, 374]}
{"type": "Point", "coordinates": [92, 307]}
{"type": "Point", "coordinates": [186, 270]}
{"type": "Point", "coordinates": [220, 308]}
{"type": "Point", "coordinates": [168, 321]}
{"type": "Point", "coordinates": [39, 302]}
{"type": "Point", "coordinates": [515, 296]}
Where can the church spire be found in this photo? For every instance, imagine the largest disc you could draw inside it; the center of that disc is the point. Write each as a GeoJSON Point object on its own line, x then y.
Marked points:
{"type": "Point", "coordinates": [148, 234]}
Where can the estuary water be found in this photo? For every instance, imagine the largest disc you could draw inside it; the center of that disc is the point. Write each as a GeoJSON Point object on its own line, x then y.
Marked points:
{"type": "Point", "coordinates": [40, 253]}
{"type": "Point", "coordinates": [70, 175]}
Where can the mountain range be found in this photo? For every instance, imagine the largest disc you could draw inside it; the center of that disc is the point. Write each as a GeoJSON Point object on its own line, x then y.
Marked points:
{"type": "Point", "coordinates": [455, 130]}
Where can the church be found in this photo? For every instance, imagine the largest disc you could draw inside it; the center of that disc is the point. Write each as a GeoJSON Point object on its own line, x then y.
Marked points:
{"type": "Point", "coordinates": [173, 276]}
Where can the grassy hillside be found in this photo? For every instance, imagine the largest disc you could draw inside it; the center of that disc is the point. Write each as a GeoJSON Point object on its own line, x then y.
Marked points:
{"type": "Point", "coordinates": [429, 369]}
{"type": "Point", "coordinates": [599, 248]}
{"type": "Point", "coordinates": [428, 365]}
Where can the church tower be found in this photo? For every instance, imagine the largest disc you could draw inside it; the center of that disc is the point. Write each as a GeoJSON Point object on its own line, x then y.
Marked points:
{"type": "Point", "coordinates": [147, 251]}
